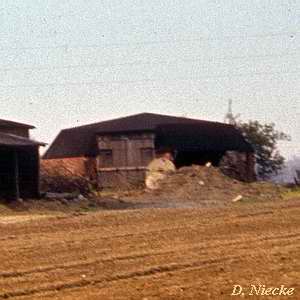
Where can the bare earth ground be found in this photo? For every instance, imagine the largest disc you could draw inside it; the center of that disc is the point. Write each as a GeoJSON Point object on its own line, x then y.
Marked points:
{"type": "Point", "coordinates": [170, 253]}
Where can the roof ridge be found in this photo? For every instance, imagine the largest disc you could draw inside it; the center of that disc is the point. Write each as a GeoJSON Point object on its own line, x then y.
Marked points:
{"type": "Point", "coordinates": [23, 138]}
{"type": "Point", "coordinates": [141, 114]}
{"type": "Point", "coordinates": [96, 123]}
{"type": "Point", "coordinates": [15, 123]}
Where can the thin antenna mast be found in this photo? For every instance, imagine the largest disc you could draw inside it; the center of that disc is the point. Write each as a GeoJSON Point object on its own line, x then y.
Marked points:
{"type": "Point", "coordinates": [229, 117]}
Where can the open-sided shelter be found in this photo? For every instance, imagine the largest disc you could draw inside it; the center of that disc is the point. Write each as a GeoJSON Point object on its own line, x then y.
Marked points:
{"type": "Point", "coordinates": [19, 161]}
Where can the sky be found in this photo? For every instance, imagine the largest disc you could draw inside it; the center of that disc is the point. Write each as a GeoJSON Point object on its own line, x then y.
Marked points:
{"type": "Point", "coordinates": [68, 63]}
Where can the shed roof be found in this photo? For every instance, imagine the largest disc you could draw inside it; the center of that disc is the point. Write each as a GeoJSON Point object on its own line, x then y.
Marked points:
{"type": "Point", "coordinates": [80, 141]}
{"type": "Point", "coordinates": [6, 123]}
{"type": "Point", "coordinates": [17, 141]}
{"type": "Point", "coordinates": [192, 137]}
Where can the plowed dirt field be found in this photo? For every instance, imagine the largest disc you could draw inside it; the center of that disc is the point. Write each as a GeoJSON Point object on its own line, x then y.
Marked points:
{"type": "Point", "coordinates": [151, 253]}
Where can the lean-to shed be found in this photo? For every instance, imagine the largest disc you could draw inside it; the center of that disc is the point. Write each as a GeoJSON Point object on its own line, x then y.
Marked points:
{"type": "Point", "coordinates": [19, 161]}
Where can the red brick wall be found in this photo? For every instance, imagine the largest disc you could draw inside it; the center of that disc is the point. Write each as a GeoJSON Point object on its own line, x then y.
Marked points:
{"type": "Point", "coordinates": [75, 166]}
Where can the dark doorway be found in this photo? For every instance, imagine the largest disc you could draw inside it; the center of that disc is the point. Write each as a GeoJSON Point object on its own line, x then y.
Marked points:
{"type": "Point", "coordinates": [28, 163]}
{"type": "Point", "coordinates": [188, 158]}
{"type": "Point", "coordinates": [19, 172]}
{"type": "Point", "coordinates": [7, 174]}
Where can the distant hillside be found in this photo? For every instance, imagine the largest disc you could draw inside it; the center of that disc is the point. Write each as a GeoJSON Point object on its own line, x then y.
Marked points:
{"type": "Point", "coordinates": [288, 174]}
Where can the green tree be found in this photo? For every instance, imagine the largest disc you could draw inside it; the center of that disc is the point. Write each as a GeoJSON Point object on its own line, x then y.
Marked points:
{"type": "Point", "coordinates": [264, 138]}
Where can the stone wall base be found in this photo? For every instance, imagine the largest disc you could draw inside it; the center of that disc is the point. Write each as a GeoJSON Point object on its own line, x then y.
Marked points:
{"type": "Point", "coordinates": [239, 165]}
{"type": "Point", "coordinates": [121, 178]}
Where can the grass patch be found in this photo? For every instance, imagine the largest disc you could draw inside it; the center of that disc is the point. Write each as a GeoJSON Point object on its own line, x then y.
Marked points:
{"type": "Point", "coordinates": [291, 193]}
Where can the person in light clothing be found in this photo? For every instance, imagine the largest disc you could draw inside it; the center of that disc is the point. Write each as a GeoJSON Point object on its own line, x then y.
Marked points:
{"type": "Point", "coordinates": [158, 169]}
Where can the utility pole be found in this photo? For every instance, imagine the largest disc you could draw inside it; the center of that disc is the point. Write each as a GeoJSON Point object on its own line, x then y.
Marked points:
{"type": "Point", "coordinates": [230, 118]}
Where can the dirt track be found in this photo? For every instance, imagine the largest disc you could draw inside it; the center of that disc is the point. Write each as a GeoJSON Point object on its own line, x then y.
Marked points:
{"type": "Point", "coordinates": [152, 253]}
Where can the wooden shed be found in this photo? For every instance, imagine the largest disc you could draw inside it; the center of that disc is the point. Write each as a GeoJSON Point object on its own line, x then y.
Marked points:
{"type": "Point", "coordinates": [19, 162]}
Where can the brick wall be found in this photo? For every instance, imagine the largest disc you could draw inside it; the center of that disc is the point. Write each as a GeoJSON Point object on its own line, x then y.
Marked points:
{"type": "Point", "coordinates": [70, 167]}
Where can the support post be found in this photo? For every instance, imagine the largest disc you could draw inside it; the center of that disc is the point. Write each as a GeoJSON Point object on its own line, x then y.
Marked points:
{"type": "Point", "coordinates": [16, 175]}
{"type": "Point", "coordinates": [38, 172]}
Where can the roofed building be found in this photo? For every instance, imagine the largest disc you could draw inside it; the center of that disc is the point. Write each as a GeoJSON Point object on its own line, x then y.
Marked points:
{"type": "Point", "coordinates": [19, 161]}
{"type": "Point", "coordinates": [116, 152]}
{"type": "Point", "coordinates": [15, 128]}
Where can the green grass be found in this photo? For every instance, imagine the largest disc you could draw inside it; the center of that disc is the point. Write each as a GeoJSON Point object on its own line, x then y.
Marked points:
{"type": "Point", "coordinates": [292, 193]}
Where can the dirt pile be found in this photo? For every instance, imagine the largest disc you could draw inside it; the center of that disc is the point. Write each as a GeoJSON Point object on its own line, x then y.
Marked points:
{"type": "Point", "coordinates": [208, 186]}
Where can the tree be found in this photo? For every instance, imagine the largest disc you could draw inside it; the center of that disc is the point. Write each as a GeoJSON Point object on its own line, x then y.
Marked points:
{"type": "Point", "coordinates": [264, 139]}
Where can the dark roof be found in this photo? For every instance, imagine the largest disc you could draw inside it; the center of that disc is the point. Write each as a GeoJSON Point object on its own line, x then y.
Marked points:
{"type": "Point", "coordinates": [6, 123]}
{"type": "Point", "coordinates": [80, 141]}
{"type": "Point", "coordinates": [17, 141]}
{"type": "Point", "coordinates": [192, 137]}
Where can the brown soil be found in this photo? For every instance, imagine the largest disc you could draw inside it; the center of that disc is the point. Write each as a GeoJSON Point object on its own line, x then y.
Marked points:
{"type": "Point", "coordinates": [152, 253]}
{"type": "Point", "coordinates": [202, 186]}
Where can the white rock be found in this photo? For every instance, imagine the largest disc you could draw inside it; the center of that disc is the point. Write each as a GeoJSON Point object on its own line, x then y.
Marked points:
{"type": "Point", "coordinates": [237, 198]}
{"type": "Point", "coordinates": [208, 164]}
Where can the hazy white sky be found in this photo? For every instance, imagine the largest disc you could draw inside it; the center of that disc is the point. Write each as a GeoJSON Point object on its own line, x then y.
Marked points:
{"type": "Point", "coordinates": [66, 63]}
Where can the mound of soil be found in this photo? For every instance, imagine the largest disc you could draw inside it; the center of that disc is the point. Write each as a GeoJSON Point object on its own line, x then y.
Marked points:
{"type": "Point", "coordinates": [208, 186]}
